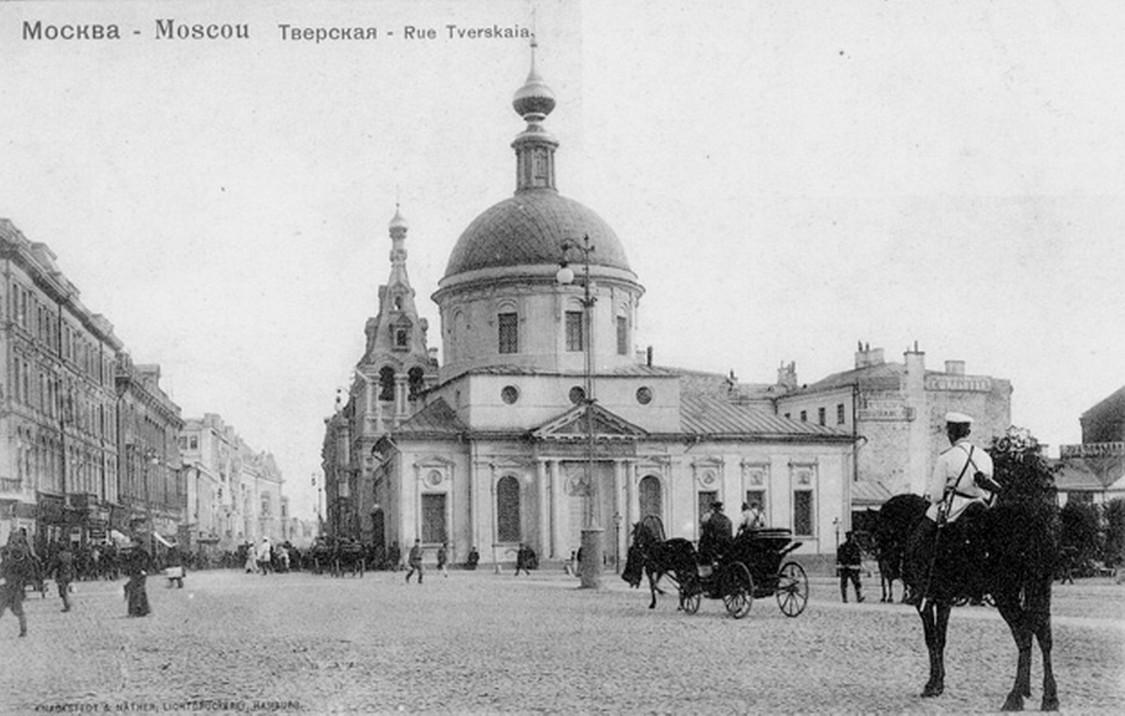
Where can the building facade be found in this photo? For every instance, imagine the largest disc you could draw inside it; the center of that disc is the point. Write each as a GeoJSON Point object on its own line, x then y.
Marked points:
{"type": "Point", "coordinates": [234, 491]}
{"type": "Point", "coordinates": [152, 489]}
{"type": "Point", "coordinates": [1094, 472]}
{"type": "Point", "coordinates": [897, 413]}
{"type": "Point", "coordinates": [541, 421]}
{"type": "Point", "coordinates": [59, 472]}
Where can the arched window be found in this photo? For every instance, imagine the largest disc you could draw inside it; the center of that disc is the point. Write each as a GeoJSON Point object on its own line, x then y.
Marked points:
{"type": "Point", "coordinates": [414, 376]}
{"type": "Point", "coordinates": [650, 497]}
{"type": "Point", "coordinates": [508, 509]}
{"type": "Point", "coordinates": [386, 383]}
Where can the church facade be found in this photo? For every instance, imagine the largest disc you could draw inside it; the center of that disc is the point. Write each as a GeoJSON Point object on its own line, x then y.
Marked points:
{"type": "Point", "coordinates": [541, 420]}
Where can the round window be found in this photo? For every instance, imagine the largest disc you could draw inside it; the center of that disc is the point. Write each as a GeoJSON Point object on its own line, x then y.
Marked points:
{"type": "Point", "coordinates": [577, 395]}
{"type": "Point", "coordinates": [509, 394]}
{"type": "Point", "coordinates": [644, 395]}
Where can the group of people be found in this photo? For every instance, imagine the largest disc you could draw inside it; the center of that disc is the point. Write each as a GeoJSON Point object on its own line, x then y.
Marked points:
{"type": "Point", "coordinates": [20, 567]}
{"type": "Point", "coordinates": [267, 557]}
{"type": "Point", "coordinates": [717, 534]}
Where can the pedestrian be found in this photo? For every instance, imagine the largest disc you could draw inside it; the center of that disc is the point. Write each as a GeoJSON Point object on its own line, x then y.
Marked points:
{"type": "Point", "coordinates": [473, 559]}
{"type": "Point", "coordinates": [961, 481]}
{"type": "Point", "coordinates": [522, 560]}
{"type": "Point", "coordinates": [849, 560]}
{"type": "Point", "coordinates": [62, 569]}
{"type": "Point", "coordinates": [415, 561]}
{"type": "Point", "coordinates": [394, 556]}
{"type": "Point", "coordinates": [137, 566]}
{"type": "Point", "coordinates": [265, 556]}
{"type": "Point", "coordinates": [15, 565]}
{"type": "Point", "coordinates": [442, 557]}
{"type": "Point", "coordinates": [251, 564]}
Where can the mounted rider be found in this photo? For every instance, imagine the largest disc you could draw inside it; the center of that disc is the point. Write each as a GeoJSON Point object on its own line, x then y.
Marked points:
{"type": "Point", "coordinates": [961, 481]}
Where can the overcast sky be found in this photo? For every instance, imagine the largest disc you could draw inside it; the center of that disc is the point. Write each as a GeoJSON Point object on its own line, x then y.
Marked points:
{"type": "Point", "coordinates": [787, 179]}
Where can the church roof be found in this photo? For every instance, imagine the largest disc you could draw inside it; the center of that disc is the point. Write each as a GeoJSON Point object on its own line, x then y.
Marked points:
{"type": "Point", "coordinates": [527, 229]}
{"type": "Point", "coordinates": [435, 418]}
{"type": "Point", "coordinates": [711, 416]}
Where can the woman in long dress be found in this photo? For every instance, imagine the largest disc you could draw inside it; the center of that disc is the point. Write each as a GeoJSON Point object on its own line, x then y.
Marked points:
{"type": "Point", "coordinates": [137, 567]}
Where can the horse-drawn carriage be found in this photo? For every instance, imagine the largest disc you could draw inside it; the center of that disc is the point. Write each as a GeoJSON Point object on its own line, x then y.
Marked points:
{"type": "Point", "coordinates": [351, 558]}
{"type": "Point", "coordinates": [751, 569]}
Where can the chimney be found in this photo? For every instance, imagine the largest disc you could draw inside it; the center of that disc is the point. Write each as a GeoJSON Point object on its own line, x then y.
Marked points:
{"type": "Point", "coordinates": [867, 356]}
{"type": "Point", "coordinates": [787, 375]}
{"type": "Point", "coordinates": [648, 356]}
{"type": "Point", "coordinates": [915, 362]}
{"type": "Point", "coordinates": [955, 367]}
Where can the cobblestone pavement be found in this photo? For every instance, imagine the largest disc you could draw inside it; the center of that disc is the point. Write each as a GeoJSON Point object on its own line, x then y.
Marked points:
{"type": "Point", "coordinates": [481, 642]}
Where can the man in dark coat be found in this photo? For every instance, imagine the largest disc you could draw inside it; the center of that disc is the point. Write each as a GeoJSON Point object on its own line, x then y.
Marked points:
{"type": "Point", "coordinates": [63, 571]}
{"type": "Point", "coordinates": [849, 560]}
{"type": "Point", "coordinates": [717, 535]}
{"type": "Point", "coordinates": [415, 561]}
{"type": "Point", "coordinates": [15, 572]}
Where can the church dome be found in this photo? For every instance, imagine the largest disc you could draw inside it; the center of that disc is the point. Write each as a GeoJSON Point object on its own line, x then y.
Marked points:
{"type": "Point", "coordinates": [528, 229]}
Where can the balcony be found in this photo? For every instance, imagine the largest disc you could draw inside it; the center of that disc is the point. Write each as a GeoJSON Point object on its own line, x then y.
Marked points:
{"type": "Point", "coordinates": [9, 485]}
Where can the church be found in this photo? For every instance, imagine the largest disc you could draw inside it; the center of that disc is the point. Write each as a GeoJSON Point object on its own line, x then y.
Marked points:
{"type": "Point", "coordinates": [541, 420]}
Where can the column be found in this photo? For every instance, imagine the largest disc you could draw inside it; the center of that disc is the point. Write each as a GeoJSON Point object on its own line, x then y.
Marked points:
{"type": "Point", "coordinates": [630, 514]}
{"type": "Point", "coordinates": [544, 522]}
{"type": "Point", "coordinates": [620, 511]}
{"type": "Point", "coordinates": [558, 508]}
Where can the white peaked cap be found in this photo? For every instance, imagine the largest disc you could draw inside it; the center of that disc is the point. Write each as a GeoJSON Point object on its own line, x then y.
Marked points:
{"type": "Point", "coordinates": [958, 418]}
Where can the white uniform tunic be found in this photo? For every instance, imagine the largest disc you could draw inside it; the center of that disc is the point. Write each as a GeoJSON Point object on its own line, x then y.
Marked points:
{"type": "Point", "coordinates": [950, 472]}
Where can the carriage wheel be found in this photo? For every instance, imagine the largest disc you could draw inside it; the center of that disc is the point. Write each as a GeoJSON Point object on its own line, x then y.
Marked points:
{"type": "Point", "coordinates": [792, 589]}
{"type": "Point", "coordinates": [737, 589]}
{"type": "Point", "coordinates": [691, 594]}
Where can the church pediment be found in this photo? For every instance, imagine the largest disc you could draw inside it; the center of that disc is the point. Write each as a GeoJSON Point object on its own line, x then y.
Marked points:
{"type": "Point", "coordinates": [573, 425]}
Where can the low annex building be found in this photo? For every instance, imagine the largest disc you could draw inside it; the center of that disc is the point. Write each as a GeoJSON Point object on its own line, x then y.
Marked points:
{"type": "Point", "coordinates": [514, 436]}
{"type": "Point", "coordinates": [1094, 471]}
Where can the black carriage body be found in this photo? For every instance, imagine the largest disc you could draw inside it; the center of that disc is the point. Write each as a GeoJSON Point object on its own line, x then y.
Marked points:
{"type": "Point", "coordinates": [752, 567]}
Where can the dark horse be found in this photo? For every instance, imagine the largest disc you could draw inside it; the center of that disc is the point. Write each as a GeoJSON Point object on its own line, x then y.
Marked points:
{"type": "Point", "coordinates": [656, 557]}
{"type": "Point", "coordinates": [895, 522]}
{"type": "Point", "coordinates": [1008, 551]}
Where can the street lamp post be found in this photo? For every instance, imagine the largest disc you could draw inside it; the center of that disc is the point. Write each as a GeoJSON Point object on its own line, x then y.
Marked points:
{"type": "Point", "coordinates": [319, 519]}
{"type": "Point", "coordinates": [593, 536]}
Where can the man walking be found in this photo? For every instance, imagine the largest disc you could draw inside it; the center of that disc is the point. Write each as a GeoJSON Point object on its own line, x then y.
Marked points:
{"type": "Point", "coordinates": [849, 561]}
{"type": "Point", "coordinates": [265, 556]}
{"type": "Point", "coordinates": [62, 568]}
{"type": "Point", "coordinates": [442, 559]}
{"type": "Point", "coordinates": [15, 563]}
{"type": "Point", "coordinates": [414, 560]}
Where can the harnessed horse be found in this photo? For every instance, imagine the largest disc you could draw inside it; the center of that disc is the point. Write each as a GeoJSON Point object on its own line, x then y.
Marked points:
{"type": "Point", "coordinates": [652, 555]}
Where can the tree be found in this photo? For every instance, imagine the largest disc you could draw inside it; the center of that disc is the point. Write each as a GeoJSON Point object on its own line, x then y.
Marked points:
{"type": "Point", "coordinates": [1114, 515]}
{"type": "Point", "coordinates": [1078, 538]}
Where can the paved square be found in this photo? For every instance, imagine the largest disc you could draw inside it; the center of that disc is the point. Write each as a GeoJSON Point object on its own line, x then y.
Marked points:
{"type": "Point", "coordinates": [480, 642]}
